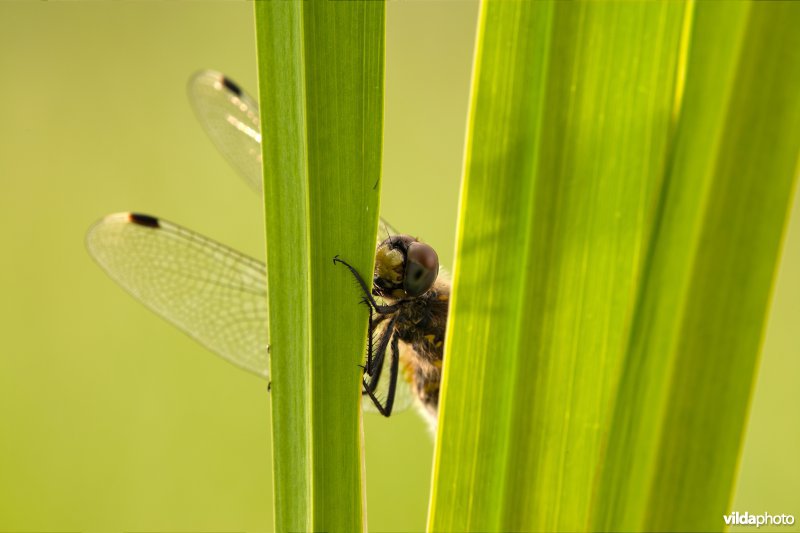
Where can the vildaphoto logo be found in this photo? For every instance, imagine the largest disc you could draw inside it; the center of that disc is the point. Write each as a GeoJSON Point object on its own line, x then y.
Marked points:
{"type": "Point", "coordinates": [746, 519]}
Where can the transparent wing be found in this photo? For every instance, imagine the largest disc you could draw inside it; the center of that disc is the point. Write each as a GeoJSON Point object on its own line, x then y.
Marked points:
{"type": "Point", "coordinates": [213, 293]}
{"type": "Point", "coordinates": [385, 230]}
{"type": "Point", "coordinates": [230, 118]}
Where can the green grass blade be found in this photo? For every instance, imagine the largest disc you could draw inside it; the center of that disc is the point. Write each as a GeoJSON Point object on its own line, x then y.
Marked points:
{"type": "Point", "coordinates": [281, 101]}
{"type": "Point", "coordinates": [583, 160]}
{"type": "Point", "coordinates": [567, 139]}
{"type": "Point", "coordinates": [694, 345]}
{"type": "Point", "coordinates": [321, 94]}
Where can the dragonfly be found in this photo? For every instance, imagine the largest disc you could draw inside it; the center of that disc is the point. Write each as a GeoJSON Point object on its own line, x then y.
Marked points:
{"type": "Point", "coordinates": [218, 296]}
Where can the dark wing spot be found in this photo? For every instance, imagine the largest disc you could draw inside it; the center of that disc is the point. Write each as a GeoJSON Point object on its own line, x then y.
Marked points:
{"type": "Point", "coordinates": [143, 220]}
{"type": "Point", "coordinates": [231, 86]}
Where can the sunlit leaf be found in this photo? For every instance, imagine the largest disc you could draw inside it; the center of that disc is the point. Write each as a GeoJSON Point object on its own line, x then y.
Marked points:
{"type": "Point", "coordinates": [628, 171]}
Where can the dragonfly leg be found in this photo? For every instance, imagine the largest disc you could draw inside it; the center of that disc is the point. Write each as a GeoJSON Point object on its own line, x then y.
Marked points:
{"type": "Point", "coordinates": [374, 371]}
{"type": "Point", "coordinates": [380, 309]}
{"type": "Point", "coordinates": [370, 333]}
{"type": "Point", "coordinates": [373, 324]}
{"type": "Point", "coordinates": [386, 408]}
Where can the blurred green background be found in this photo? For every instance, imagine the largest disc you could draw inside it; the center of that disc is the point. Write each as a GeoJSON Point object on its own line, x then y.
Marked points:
{"type": "Point", "coordinates": [112, 420]}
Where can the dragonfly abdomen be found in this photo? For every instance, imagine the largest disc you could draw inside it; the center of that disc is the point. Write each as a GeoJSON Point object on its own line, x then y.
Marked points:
{"type": "Point", "coordinates": [421, 327]}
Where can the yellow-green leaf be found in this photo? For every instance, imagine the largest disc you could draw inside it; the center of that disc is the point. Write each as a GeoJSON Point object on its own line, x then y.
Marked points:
{"type": "Point", "coordinates": [627, 177]}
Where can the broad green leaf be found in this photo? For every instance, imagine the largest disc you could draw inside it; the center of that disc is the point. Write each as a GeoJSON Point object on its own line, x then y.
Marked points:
{"type": "Point", "coordinates": [697, 327]}
{"type": "Point", "coordinates": [626, 183]}
{"type": "Point", "coordinates": [321, 96]}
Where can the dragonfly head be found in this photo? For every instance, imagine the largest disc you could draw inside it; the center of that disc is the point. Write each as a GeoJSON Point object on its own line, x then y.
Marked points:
{"type": "Point", "coordinates": [404, 268]}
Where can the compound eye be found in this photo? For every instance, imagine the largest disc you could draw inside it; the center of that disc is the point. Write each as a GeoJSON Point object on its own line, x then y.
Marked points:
{"type": "Point", "coordinates": [422, 267]}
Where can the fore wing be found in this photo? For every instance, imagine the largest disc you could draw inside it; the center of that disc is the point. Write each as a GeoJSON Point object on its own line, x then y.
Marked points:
{"type": "Point", "coordinates": [230, 118]}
